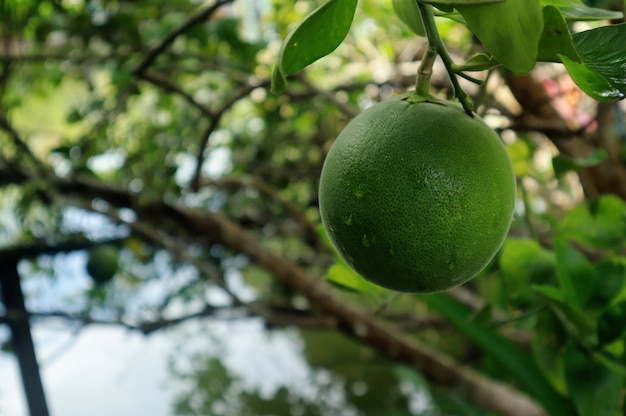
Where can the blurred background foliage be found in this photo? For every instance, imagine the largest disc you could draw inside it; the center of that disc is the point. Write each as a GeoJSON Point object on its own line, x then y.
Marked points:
{"type": "Point", "coordinates": [92, 89]}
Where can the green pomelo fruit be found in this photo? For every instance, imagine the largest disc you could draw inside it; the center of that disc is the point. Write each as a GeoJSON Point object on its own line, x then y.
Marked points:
{"type": "Point", "coordinates": [417, 196]}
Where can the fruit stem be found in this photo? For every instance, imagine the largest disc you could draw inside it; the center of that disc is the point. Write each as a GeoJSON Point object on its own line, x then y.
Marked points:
{"type": "Point", "coordinates": [425, 71]}
{"type": "Point", "coordinates": [437, 47]}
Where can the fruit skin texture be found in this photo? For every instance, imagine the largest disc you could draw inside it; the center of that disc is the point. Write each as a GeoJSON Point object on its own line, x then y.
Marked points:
{"type": "Point", "coordinates": [417, 196]}
{"type": "Point", "coordinates": [102, 263]}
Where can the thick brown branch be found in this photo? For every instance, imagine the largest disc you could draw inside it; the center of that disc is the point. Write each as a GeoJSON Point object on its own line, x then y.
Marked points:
{"type": "Point", "coordinates": [610, 175]}
{"type": "Point", "coordinates": [362, 325]}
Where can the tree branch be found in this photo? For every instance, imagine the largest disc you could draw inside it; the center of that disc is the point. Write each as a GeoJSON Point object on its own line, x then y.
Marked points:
{"type": "Point", "coordinates": [42, 247]}
{"type": "Point", "coordinates": [346, 108]}
{"type": "Point", "coordinates": [166, 84]}
{"type": "Point", "coordinates": [275, 317]}
{"type": "Point", "coordinates": [293, 209]}
{"type": "Point", "coordinates": [214, 120]}
{"type": "Point", "coordinates": [21, 146]}
{"type": "Point", "coordinates": [363, 326]}
{"type": "Point", "coordinates": [199, 17]}
{"type": "Point", "coordinates": [609, 177]}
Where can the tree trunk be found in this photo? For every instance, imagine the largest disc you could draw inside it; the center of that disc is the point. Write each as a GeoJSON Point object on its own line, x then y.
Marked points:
{"type": "Point", "coordinates": [21, 338]}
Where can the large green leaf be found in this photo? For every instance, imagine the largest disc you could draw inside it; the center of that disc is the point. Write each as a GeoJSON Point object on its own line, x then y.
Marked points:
{"type": "Point", "coordinates": [509, 356]}
{"type": "Point", "coordinates": [556, 37]}
{"type": "Point", "coordinates": [603, 50]}
{"type": "Point", "coordinates": [584, 13]}
{"type": "Point", "coordinates": [575, 273]}
{"type": "Point", "coordinates": [409, 13]}
{"type": "Point", "coordinates": [593, 83]}
{"type": "Point", "coordinates": [509, 30]}
{"type": "Point", "coordinates": [316, 36]}
{"type": "Point", "coordinates": [577, 323]}
{"type": "Point", "coordinates": [576, 10]}
{"type": "Point", "coordinates": [594, 389]}
{"type": "Point", "coordinates": [547, 346]}
{"type": "Point", "coordinates": [455, 3]}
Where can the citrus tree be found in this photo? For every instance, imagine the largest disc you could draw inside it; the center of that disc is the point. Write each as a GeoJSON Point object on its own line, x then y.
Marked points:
{"type": "Point", "coordinates": [443, 191]}
{"type": "Point", "coordinates": [404, 174]}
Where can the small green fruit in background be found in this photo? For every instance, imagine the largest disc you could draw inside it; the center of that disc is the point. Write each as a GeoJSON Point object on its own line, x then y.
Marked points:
{"type": "Point", "coordinates": [103, 263]}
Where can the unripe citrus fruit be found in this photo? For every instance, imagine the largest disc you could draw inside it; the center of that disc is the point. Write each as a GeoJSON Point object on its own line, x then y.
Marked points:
{"type": "Point", "coordinates": [416, 195]}
{"type": "Point", "coordinates": [102, 263]}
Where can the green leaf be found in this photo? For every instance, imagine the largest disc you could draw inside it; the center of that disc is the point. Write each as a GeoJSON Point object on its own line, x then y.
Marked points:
{"type": "Point", "coordinates": [563, 164]}
{"type": "Point", "coordinates": [579, 325]}
{"type": "Point", "coordinates": [603, 50]}
{"type": "Point", "coordinates": [547, 346]}
{"type": "Point", "coordinates": [409, 13]}
{"type": "Point", "coordinates": [608, 284]}
{"type": "Point", "coordinates": [595, 390]}
{"type": "Point", "coordinates": [478, 62]}
{"type": "Point", "coordinates": [522, 262]}
{"type": "Point", "coordinates": [321, 232]}
{"type": "Point", "coordinates": [279, 81]}
{"type": "Point", "coordinates": [556, 37]}
{"type": "Point", "coordinates": [611, 362]}
{"type": "Point", "coordinates": [520, 364]}
{"type": "Point", "coordinates": [316, 36]}
{"type": "Point", "coordinates": [612, 323]}
{"type": "Point", "coordinates": [600, 223]}
{"type": "Point", "coordinates": [343, 275]}
{"type": "Point", "coordinates": [509, 30]}
{"type": "Point", "coordinates": [454, 3]}
{"type": "Point", "coordinates": [578, 14]}
{"type": "Point", "coordinates": [591, 82]}
{"type": "Point", "coordinates": [576, 10]}
{"type": "Point", "coordinates": [575, 273]}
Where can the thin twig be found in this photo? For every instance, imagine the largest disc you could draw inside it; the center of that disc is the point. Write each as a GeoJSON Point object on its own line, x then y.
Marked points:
{"type": "Point", "coordinates": [199, 17]}
{"type": "Point", "coordinates": [166, 84]}
{"type": "Point", "coordinates": [274, 317]}
{"type": "Point", "coordinates": [435, 43]}
{"type": "Point", "coordinates": [266, 189]}
{"type": "Point", "coordinates": [346, 108]}
{"type": "Point", "coordinates": [21, 145]}
{"type": "Point", "coordinates": [214, 120]}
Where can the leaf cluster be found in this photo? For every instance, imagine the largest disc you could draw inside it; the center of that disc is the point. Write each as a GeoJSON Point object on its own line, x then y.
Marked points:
{"type": "Point", "coordinates": [516, 34]}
